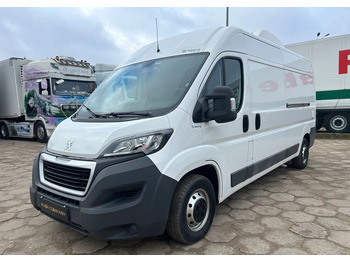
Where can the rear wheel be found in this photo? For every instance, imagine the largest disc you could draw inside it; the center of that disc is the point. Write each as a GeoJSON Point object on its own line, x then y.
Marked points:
{"type": "Point", "coordinates": [192, 209]}
{"type": "Point", "coordinates": [302, 159]}
{"type": "Point", "coordinates": [4, 132]}
{"type": "Point", "coordinates": [40, 132]}
{"type": "Point", "coordinates": [338, 123]}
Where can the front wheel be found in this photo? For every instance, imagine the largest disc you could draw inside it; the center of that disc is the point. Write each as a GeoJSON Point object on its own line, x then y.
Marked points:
{"type": "Point", "coordinates": [4, 132]}
{"type": "Point", "coordinates": [192, 209]}
{"type": "Point", "coordinates": [302, 159]}
{"type": "Point", "coordinates": [40, 132]}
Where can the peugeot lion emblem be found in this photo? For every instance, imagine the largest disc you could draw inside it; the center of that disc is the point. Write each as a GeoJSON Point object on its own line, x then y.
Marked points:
{"type": "Point", "coordinates": [69, 144]}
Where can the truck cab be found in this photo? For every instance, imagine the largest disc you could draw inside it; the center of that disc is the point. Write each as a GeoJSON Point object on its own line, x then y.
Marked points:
{"type": "Point", "coordinates": [46, 92]}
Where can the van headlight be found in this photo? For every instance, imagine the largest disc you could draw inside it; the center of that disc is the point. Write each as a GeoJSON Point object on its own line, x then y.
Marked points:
{"type": "Point", "coordinates": [147, 144]}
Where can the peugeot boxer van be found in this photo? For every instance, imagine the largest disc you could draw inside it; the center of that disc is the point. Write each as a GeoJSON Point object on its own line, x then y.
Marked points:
{"type": "Point", "coordinates": [173, 132]}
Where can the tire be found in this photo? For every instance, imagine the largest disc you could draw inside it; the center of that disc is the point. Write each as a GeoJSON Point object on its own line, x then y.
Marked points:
{"type": "Point", "coordinates": [302, 159]}
{"type": "Point", "coordinates": [4, 132]}
{"type": "Point", "coordinates": [40, 132]}
{"type": "Point", "coordinates": [192, 209]}
{"type": "Point", "coordinates": [338, 123]}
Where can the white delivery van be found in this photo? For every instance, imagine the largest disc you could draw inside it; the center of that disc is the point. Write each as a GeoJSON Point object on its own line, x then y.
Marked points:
{"type": "Point", "coordinates": [172, 133]}
{"type": "Point", "coordinates": [330, 61]}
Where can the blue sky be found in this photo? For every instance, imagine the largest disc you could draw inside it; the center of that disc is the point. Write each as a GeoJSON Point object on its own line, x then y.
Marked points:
{"type": "Point", "coordinates": [110, 34]}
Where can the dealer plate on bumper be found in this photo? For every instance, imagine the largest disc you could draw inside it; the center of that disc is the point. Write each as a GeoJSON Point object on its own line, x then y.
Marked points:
{"type": "Point", "coordinates": [53, 209]}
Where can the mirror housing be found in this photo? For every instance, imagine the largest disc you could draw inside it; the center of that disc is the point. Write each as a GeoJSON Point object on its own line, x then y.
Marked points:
{"type": "Point", "coordinates": [60, 81]}
{"type": "Point", "coordinates": [219, 106]}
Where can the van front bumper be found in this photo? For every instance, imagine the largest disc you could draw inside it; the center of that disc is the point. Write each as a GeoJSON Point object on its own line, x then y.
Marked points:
{"type": "Point", "coordinates": [127, 198]}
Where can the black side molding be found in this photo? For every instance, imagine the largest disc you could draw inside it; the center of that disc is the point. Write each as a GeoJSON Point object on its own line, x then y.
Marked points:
{"type": "Point", "coordinates": [254, 169]}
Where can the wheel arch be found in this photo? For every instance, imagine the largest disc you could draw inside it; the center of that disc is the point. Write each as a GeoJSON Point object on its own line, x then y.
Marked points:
{"type": "Point", "coordinates": [211, 172]}
{"type": "Point", "coordinates": [307, 137]}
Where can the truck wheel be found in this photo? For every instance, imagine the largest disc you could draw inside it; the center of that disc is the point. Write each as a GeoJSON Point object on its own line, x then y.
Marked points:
{"type": "Point", "coordinates": [302, 159]}
{"type": "Point", "coordinates": [40, 132]}
{"type": "Point", "coordinates": [4, 132]}
{"type": "Point", "coordinates": [338, 123]}
{"type": "Point", "coordinates": [192, 209]}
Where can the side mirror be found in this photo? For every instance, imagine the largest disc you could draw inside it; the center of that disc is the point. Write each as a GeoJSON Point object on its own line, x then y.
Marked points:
{"type": "Point", "coordinates": [219, 106]}
{"type": "Point", "coordinates": [60, 81]}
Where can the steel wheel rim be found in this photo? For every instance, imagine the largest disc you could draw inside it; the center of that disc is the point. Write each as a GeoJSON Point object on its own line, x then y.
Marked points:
{"type": "Point", "coordinates": [338, 123]}
{"type": "Point", "coordinates": [304, 154]}
{"type": "Point", "coordinates": [40, 132]}
{"type": "Point", "coordinates": [197, 210]}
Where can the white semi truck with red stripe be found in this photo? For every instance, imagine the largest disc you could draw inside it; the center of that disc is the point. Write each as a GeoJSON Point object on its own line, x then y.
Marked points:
{"type": "Point", "coordinates": [330, 59]}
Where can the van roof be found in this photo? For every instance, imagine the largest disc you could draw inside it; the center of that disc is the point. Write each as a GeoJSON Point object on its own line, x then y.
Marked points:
{"type": "Point", "coordinates": [205, 40]}
{"type": "Point", "coordinates": [220, 39]}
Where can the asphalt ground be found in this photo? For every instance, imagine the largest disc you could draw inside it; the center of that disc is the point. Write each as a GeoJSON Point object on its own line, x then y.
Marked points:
{"type": "Point", "coordinates": [288, 211]}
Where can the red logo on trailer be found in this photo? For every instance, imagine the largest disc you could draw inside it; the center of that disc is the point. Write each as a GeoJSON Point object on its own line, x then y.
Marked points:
{"type": "Point", "coordinates": [344, 61]}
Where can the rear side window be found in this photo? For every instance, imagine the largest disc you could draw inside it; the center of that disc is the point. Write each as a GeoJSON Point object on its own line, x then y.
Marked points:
{"type": "Point", "coordinates": [227, 72]}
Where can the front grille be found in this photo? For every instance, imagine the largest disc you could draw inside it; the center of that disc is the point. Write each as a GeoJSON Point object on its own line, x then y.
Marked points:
{"type": "Point", "coordinates": [74, 178]}
{"type": "Point", "coordinates": [60, 198]}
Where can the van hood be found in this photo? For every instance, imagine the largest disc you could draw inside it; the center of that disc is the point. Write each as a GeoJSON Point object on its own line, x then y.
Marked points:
{"type": "Point", "coordinates": [89, 140]}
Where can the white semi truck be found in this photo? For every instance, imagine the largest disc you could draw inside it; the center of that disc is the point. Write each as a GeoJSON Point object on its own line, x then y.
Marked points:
{"type": "Point", "coordinates": [35, 96]}
{"type": "Point", "coordinates": [330, 60]}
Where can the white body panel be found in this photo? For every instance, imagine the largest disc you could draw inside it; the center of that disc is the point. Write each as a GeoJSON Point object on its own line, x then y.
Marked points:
{"type": "Point", "coordinates": [277, 85]}
{"type": "Point", "coordinates": [11, 95]}
{"type": "Point", "coordinates": [90, 142]}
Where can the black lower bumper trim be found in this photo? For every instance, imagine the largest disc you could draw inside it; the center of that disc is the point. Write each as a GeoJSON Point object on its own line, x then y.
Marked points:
{"type": "Point", "coordinates": [125, 200]}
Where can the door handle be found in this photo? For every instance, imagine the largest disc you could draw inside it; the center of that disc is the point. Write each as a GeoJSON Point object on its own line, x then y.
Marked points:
{"type": "Point", "coordinates": [245, 123]}
{"type": "Point", "coordinates": [257, 121]}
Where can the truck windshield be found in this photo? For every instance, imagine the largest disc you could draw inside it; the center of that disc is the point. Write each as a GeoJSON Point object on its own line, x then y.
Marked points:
{"type": "Point", "coordinates": [148, 88]}
{"type": "Point", "coordinates": [72, 87]}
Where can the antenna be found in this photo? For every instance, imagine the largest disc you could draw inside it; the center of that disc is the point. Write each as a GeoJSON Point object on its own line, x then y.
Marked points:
{"type": "Point", "coordinates": [158, 50]}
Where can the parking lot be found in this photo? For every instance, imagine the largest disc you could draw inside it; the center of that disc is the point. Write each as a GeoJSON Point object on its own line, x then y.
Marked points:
{"type": "Point", "coordinates": [288, 211]}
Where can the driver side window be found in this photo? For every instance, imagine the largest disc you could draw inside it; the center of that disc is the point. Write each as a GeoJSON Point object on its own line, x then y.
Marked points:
{"type": "Point", "coordinates": [44, 87]}
{"type": "Point", "coordinates": [215, 79]}
{"type": "Point", "coordinates": [227, 72]}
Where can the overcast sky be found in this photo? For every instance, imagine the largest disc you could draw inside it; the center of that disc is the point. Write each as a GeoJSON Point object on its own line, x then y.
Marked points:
{"type": "Point", "coordinates": [109, 34]}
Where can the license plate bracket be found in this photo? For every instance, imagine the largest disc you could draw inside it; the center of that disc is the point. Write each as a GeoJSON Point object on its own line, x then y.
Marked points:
{"type": "Point", "coordinates": [53, 209]}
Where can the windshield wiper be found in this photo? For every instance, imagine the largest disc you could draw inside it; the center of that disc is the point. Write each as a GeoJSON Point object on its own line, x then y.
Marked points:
{"type": "Point", "coordinates": [126, 114]}
{"type": "Point", "coordinates": [91, 112]}
{"type": "Point", "coordinates": [116, 114]}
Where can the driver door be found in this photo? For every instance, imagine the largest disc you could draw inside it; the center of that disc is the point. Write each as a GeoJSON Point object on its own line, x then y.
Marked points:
{"type": "Point", "coordinates": [229, 144]}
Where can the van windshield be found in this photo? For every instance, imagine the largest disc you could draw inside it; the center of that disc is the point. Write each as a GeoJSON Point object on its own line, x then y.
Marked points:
{"type": "Point", "coordinates": [149, 88]}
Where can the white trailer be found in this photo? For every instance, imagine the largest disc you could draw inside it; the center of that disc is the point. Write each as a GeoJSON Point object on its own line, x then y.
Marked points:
{"type": "Point", "coordinates": [35, 96]}
{"type": "Point", "coordinates": [330, 60]}
{"type": "Point", "coordinates": [102, 71]}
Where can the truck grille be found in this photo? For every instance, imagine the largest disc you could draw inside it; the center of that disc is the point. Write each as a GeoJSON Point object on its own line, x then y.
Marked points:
{"type": "Point", "coordinates": [74, 178]}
